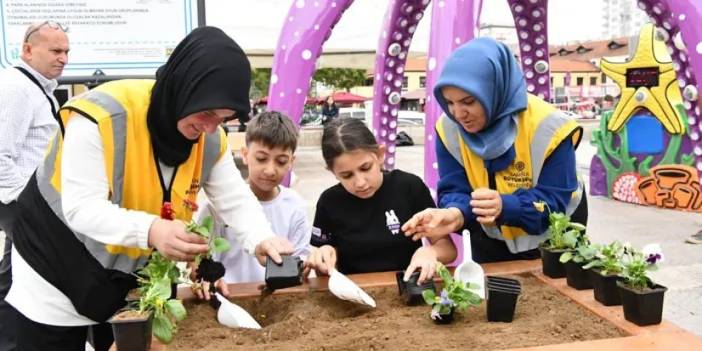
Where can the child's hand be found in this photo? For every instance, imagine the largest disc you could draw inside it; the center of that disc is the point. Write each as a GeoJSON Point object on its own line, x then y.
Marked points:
{"type": "Point", "coordinates": [433, 223]}
{"type": "Point", "coordinates": [201, 289]}
{"type": "Point", "coordinates": [322, 260]}
{"type": "Point", "coordinates": [273, 247]}
{"type": "Point", "coordinates": [425, 259]}
{"type": "Point", "coordinates": [486, 204]}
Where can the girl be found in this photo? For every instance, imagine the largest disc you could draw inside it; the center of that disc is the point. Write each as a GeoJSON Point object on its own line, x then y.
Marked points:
{"type": "Point", "coordinates": [357, 223]}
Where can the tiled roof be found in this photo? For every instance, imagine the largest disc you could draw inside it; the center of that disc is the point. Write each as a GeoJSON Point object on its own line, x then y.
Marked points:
{"type": "Point", "coordinates": [587, 51]}
{"type": "Point", "coordinates": [561, 65]}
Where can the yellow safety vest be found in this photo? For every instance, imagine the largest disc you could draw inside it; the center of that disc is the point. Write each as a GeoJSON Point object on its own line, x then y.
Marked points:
{"type": "Point", "coordinates": [540, 129]}
{"type": "Point", "coordinates": [119, 108]}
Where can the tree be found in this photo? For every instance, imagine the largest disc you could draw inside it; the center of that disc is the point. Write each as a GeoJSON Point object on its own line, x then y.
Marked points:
{"type": "Point", "coordinates": [340, 78]}
{"type": "Point", "coordinates": [260, 81]}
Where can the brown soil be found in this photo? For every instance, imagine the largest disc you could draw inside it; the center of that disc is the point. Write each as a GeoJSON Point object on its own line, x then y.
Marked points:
{"type": "Point", "coordinates": [320, 321]}
{"type": "Point", "coordinates": [130, 315]}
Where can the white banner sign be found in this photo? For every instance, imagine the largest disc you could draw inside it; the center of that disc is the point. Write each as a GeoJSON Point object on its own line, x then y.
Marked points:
{"type": "Point", "coordinates": [126, 37]}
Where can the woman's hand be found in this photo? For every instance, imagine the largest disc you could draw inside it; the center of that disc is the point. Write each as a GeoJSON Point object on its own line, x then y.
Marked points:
{"type": "Point", "coordinates": [172, 240]}
{"type": "Point", "coordinates": [433, 223]}
{"type": "Point", "coordinates": [322, 260]}
{"type": "Point", "coordinates": [487, 205]}
{"type": "Point", "coordinates": [425, 259]}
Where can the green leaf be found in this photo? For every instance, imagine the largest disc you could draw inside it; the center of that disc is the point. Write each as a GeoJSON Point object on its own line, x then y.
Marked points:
{"type": "Point", "coordinates": [202, 231]}
{"type": "Point", "coordinates": [566, 256]}
{"type": "Point", "coordinates": [163, 329]}
{"type": "Point", "coordinates": [208, 223]}
{"type": "Point", "coordinates": [577, 226]}
{"type": "Point", "coordinates": [429, 296]}
{"type": "Point", "coordinates": [161, 288]}
{"type": "Point", "coordinates": [220, 245]}
{"type": "Point", "coordinates": [176, 309]}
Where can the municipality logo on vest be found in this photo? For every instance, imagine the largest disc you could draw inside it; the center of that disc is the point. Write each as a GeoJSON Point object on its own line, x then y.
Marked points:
{"type": "Point", "coordinates": [392, 222]}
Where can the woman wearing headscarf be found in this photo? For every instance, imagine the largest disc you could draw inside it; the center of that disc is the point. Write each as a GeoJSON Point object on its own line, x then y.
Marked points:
{"type": "Point", "coordinates": [120, 180]}
{"type": "Point", "coordinates": [503, 156]}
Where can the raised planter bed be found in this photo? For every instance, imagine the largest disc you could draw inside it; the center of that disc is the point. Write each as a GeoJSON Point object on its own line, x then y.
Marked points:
{"type": "Point", "coordinates": [549, 316]}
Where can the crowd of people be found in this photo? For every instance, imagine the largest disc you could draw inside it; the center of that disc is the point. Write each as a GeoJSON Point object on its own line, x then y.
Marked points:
{"type": "Point", "coordinates": [81, 217]}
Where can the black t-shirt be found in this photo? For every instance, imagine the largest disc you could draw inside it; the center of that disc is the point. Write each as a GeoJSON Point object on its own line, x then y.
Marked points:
{"type": "Point", "coordinates": [366, 232]}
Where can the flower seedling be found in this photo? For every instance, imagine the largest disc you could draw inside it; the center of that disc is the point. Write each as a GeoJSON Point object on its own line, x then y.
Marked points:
{"type": "Point", "coordinates": [608, 258]}
{"type": "Point", "coordinates": [637, 264]}
{"type": "Point", "coordinates": [583, 253]}
{"type": "Point", "coordinates": [207, 269]}
{"type": "Point", "coordinates": [455, 294]}
{"type": "Point", "coordinates": [155, 298]}
{"type": "Point", "coordinates": [563, 234]}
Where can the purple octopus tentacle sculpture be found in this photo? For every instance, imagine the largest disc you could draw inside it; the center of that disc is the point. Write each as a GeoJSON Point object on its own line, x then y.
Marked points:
{"type": "Point", "coordinates": [307, 26]}
{"type": "Point", "coordinates": [448, 32]}
{"type": "Point", "coordinates": [679, 23]}
{"type": "Point", "coordinates": [530, 20]}
{"type": "Point", "coordinates": [401, 20]}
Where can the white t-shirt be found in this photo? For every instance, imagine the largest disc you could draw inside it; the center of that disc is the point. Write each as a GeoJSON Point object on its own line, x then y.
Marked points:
{"type": "Point", "coordinates": [288, 218]}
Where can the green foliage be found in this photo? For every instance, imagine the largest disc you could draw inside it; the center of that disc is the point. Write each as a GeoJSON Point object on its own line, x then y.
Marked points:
{"type": "Point", "coordinates": [563, 234]}
{"type": "Point", "coordinates": [156, 278]}
{"type": "Point", "coordinates": [608, 258]}
{"type": "Point", "coordinates": [454, 294]}
{"type": "Point", "coordinates": [637, 264]}
{"type": "Point", "coordinates": [340, 78]}
{"type": "Point", "coordinates": [260, 82]}
{"type": "Point", "coordinates": [155, 298]}
{"type": "Point", "coordinates": [583, 253]}
{"type": "Point", "coordinates": [217, 244]}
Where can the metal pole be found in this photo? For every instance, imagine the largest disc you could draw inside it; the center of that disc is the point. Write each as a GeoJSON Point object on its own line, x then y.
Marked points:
{"type": "Point", "coordinates": [201, 12]}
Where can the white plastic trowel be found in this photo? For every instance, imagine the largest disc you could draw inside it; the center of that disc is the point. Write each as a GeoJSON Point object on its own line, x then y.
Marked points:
{"type": "Point", "coordinates": [231, 315]}
{"type": "Point", "coordinates": [469, 271]}
{"type": "Point", "coordinates": [345, 289]}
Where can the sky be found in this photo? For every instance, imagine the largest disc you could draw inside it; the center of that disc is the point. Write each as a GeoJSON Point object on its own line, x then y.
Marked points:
{"type": "Point", "coordinates": [256, 24]}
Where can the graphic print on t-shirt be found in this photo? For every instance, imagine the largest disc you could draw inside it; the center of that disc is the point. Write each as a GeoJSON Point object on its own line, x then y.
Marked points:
{"type": "Point", "coordinates": [392, 221]}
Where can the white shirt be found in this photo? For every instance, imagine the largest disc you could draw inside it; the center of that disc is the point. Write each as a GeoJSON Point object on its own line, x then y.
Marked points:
{"type": "Point", "coordinates": [88, 211]}
{"type": "Point", "coordinates": [287, 215]}
{"type": "Point", "coordinates": [26, 126]}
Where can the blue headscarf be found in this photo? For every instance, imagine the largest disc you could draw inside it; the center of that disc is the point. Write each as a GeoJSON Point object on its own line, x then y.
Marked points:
{"type": "Point", "coordinates": [487, 70]}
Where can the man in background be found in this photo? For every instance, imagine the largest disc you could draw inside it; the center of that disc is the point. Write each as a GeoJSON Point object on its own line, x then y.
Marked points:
{"type": "Point", "coordinates": [27, 123]}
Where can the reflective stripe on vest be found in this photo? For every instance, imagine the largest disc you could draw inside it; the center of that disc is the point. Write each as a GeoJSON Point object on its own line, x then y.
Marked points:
{"type": "Point", "coordinates": [125, 259]}
{"type": "Point", "coordinates": [449, 132]}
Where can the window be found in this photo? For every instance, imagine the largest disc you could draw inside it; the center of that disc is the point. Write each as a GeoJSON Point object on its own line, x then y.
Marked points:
{"type": "Point", "coordinates": [593, 81]}
{"type": "Point", "coordinates": [404, 82]}
{"type": "Point", "coordinates": [422, 82]}
{"type": "Point", "coordinates": [579, 81]}
{"type": "Point", "coordinates": [604, 78]}
{"type": "Point", "coordinates": [551, 81]}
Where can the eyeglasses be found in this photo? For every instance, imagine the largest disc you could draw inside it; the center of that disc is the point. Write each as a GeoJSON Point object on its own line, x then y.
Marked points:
{"type": "Point", "coordinates": [50, 24]}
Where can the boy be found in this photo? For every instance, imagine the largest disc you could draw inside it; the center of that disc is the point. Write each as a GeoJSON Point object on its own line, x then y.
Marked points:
{"type": "Point", "coordinates": [268, 154]}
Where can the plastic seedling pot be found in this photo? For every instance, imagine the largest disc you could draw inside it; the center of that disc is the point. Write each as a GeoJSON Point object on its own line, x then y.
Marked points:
{"type": "Point", "coordinates": [410, 291]}
{"type": "Point", "coordinates": [506, 287]}
{"type": "Point", "coordinates": [132, 333]}
{"type": "Point", "coordinates": [605, 288]}
{"type": "Point", "coordinates": [501, 303]}
{"type": "Point", "coordinates": [446, 318]}
{"type": "Point", "coordinates": [496, 279]}
{"type": "Point", "coordinates": [285, 275]}
{"type": "Point", "coordinates": [577, 277]}
{"type": "Point", "coordinates": [642, 307]}
{"type": "Point", "coordinates": [550, 260]}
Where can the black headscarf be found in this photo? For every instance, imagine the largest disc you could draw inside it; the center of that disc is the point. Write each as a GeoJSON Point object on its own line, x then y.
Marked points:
{"type": "Point", "coordinates": [207, 70]}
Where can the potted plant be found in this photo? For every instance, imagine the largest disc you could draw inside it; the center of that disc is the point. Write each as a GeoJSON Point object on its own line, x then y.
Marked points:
{"type": "Point", "coordinates": [154, 311]}
{"type": "Point", "coordinates": [577, 276]}
{"type": "Point", "coordinates": [642, 299]}
{"type": "Point", "coordinates": [455, 294]}
{"type": "Point", "coordinates": [605, 268]}
{"type": "Point", "coordinates": [153, 308]}
{"type": "Point", "coordinates": [563, 235]}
